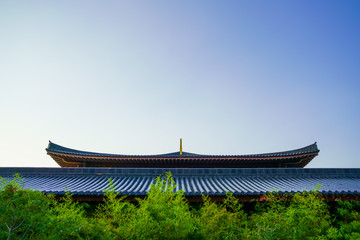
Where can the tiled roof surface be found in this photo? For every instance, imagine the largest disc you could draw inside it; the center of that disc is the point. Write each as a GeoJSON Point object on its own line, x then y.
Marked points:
{"type": "Point", "coordinates": [194, 182]}
{"type": "Point", "coordinates": [52, 147]}
{"type": "Point", "coordinates": [67, 157]}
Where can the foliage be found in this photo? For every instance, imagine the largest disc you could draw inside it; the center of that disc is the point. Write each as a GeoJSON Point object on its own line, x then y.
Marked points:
{"type": "Point", "coordinates": [222, 221]}
{"type": "Point", "coordinates": [348, 219]}
{"type": "Point", "coordinates": [68, 221]}
{"type": "Point", "coordinates": [114, 215]}
{"type": "Point", "coordinates": [23, 213]}
{"type": "Point", "coordinates": [298, 216]}
{"type": "Point", "coordinates": [27, 214]}
{"type": "Point", "coordinates": [165, 214]}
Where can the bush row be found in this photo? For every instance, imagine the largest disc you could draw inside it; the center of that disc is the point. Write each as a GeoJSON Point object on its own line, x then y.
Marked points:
{"type": "Point", "coordinates": [165, 214]}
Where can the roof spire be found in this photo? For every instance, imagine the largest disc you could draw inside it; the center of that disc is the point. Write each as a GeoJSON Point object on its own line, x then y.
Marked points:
{"type": "Point", "coordinates": [180, 146]}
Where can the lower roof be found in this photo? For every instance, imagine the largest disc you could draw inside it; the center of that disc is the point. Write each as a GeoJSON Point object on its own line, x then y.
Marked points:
{"type": "Point", "coordinates": [193, 181]}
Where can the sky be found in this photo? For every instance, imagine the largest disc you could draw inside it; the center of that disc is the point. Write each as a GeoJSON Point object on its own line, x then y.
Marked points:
{"type": "Point", "coordinates": [133, 77]}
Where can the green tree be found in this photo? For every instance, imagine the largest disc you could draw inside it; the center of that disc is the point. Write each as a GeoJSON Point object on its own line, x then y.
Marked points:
{"type": "Point", "coordinates": [114, 215]}
{"type": "Point", "coordinates": [222, 221]}
{"type": "Point", "coordinates": [23, 213]}
{"type": "Point", "coordinates": [348, 219]}
{"type": "Point", "coordinates": [163, 214]}
{"type": "Point", "coordinates": [68, 220]}
{"type": "Point", "coordinates": [298, 216]}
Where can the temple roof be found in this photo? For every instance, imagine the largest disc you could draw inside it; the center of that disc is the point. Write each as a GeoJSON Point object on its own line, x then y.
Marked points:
{"type": "Point", "coordinates": [194, 182]}
{"type": "Point", "coordinates": [57, 148]}
{"type": "Point", "coordinates": [68, 157]}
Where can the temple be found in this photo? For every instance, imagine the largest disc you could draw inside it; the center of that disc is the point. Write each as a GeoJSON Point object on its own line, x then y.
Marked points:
{"type": "Point", "coordinates": [85, 175]}
{"type": "Point", "coordinates": [67, 157]}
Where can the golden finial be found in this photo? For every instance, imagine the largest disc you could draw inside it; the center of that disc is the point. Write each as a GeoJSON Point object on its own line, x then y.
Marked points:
{"type": "Point", "coordinates": [180, 146]}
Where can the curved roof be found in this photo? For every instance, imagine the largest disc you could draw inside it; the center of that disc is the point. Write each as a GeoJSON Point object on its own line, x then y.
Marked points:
{"type": "Point", "coordinates": [57, 148]}
{"type": "Point", "coordinates": [68, 157]}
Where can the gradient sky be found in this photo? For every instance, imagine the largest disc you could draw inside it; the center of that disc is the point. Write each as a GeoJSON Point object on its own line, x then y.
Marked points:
{"type": "Point", "coordinates": [132, 77]}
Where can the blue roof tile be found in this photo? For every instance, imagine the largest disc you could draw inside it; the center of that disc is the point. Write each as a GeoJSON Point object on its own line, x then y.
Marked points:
{"type": "Point", "coordinates": [194, 182]}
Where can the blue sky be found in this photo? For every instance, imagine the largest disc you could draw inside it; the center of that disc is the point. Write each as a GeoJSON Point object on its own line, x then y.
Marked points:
{"type": "Point", "coordinates": [132, 77]}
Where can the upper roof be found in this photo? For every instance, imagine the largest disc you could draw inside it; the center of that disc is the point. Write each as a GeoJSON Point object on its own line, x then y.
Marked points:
{"type": "Point", "coordinates": [52, 147]}
{"type": "Point", "coordinates": [68, 157]}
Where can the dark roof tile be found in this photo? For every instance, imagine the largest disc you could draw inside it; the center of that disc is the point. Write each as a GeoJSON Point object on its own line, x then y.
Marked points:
{"type": "Point", "coordinates": [52, 147]}
{"type": "Point", "coordinates": [194, 182]}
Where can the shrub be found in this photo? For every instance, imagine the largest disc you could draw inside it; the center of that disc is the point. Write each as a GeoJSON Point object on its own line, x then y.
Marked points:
{"type": "Point", "coordinates": [23, 213]}
{"type": "Point", "coordinates": [68, 220]}
{"type": "Point", "coordinates": [114, 215]}
{"type": "Point", "coordinates": [298, 216]}
{"type": "Point", "coordinates": [163, 214]}
{"type": "Point", "coordinates": [348, 219]}
{"type": "Point", "coordinates": [222, 221]}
